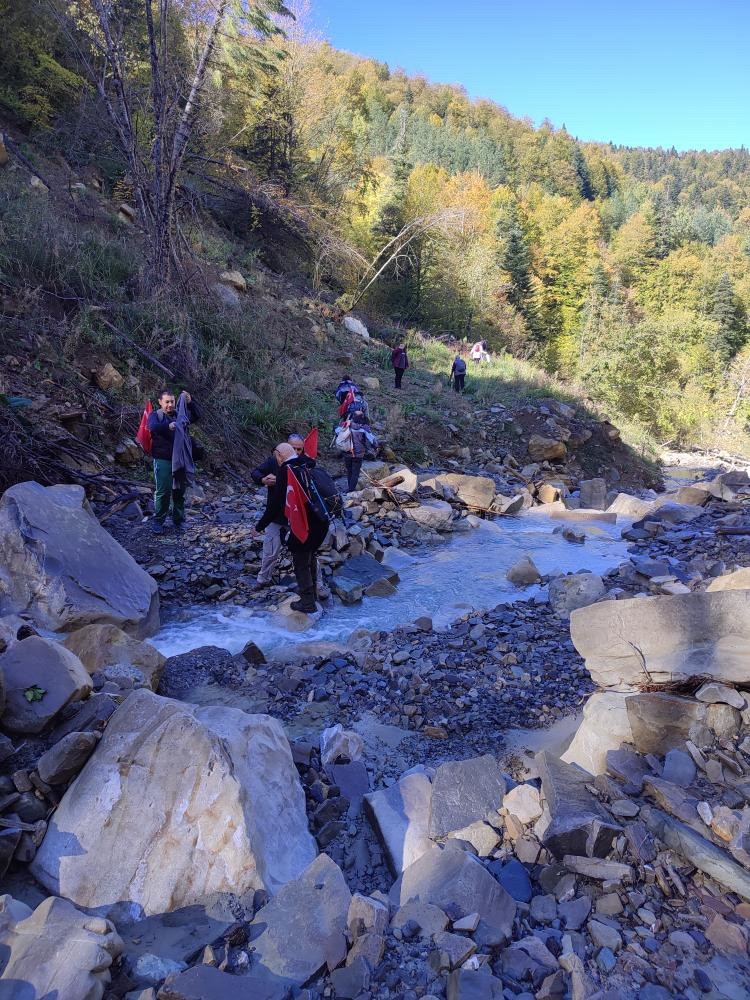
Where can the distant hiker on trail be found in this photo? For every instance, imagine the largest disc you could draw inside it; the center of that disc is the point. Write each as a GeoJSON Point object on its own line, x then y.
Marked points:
{"type": "Point", "coordinates": [458, 373]}
{"type": "Point", "coordinates": [288, 503]}
{"type": "Point", "coordinates": [265, 475]}
{"type": "Point", "coordinates": [476, 352]}
{"type": "Point", "coordinates": [171, 450]}
{"type": "Point", "coordinates": [400, 362]}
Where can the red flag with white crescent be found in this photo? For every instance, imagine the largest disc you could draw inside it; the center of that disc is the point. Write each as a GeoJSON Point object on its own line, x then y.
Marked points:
{"type": "Point", "coordinates": [295, 508]}
{"type": "Point", "coordinates": [311, 444]}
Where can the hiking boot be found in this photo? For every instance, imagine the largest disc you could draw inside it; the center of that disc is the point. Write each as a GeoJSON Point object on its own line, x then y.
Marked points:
{"type": "Point", "coordinates": [308, 609]}
{"type": "Point", "coordinates": [157, 527]}
{"type": "Point", "coordinates": [179, 527]}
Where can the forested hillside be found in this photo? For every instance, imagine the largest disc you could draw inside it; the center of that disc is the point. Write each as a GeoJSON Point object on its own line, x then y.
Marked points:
{"type": "Point", "coordinates": [626, 270]}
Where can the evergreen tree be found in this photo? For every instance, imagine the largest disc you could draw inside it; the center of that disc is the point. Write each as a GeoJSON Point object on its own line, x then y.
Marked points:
{"type": "Point", "coordinates": [731, 333]}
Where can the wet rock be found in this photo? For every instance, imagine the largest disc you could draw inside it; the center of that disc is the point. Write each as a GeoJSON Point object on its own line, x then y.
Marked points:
{"type": "Point", "coordinates": [452, 879]}
{"type": "Point", "coordinates": [247, 826]}
{"type": "Point", "coordinates": [56, 951]}
{"type": "Point", "coordinates": [523, 573]}
{"type": "Point", "coordinates": [578, 590]}
{"type": "Point", "coordinates": [102, 646]}
{"type": "Point", "coordinates": [464, 792]}
{"type": "Point", "coordinates": [64, 760]}
{"type": "Point", "coordinates": [574, 821]}
{"type": "Point", "coordinates": [310, 912]}
{"type": "Point", "coordinates": [41, 678]}
{"type": "Point", "coordinates": [660, 640]}
{"type": "Point", "coordinates": [401, 814]}
{"type": "Point", "coordinates": [61, 567]}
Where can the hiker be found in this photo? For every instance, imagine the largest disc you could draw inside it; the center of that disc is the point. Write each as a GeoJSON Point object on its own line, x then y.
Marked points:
{"type": "Point", "coordinates": [476, 352]}
{"type": "Point", "coordinates": [265, 475]}
{"type": "Point", "coordinates": [400, 362]}
{"type": "Point", "coordinates": [304, 553]}
{"type": "Point", "coordinates": [458, 373]}
{"type": "Point", "coordinates": [166, 426]}
{"type": "Point", "coordinates": [362, 441]}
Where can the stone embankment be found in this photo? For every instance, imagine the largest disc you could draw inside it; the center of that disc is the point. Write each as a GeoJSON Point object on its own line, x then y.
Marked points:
{"type": "Point", "coordinates": [187, 850]}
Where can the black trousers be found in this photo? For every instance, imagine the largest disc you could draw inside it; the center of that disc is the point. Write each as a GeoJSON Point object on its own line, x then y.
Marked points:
{"type": "Point", "coordinates": [399, 373]}
{"type": "Point", "coordinates": [305, 562]}
{"type": "Point", "coordinates": [458, 381]}
{"type": "Point", "coordinates": [353, 469]}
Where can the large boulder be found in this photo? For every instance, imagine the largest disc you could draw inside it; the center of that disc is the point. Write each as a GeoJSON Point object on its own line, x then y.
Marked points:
{"type": "Point", "coordinates": [178, 802]}
{"type": "Point", "coordinates": [544, 449]}
{"type": "Point", "coordinates": [650, 641]}
{"type": "Point", "coordinates": [605, 725]}
{"type": "Point", "coordinates": [302, 929]}
{"type": "Point", "coordinates": [41, 678]}
{"type": "Point", "coordinates": [523, 573]}
{"type": "Point", "coordinates": [54, 951]}
{"type": "Point", "coordinates": [434, 514]}
{"type": "Point", "coordinates": [578, 590]}
{"type": "Point", "coordinates": [102, 646]}
{"type": "Point", "coordinates": [454, 880]}
{"type": "Point", "coordinates": [60, 566]}
{"type": "Point", "coordinates": [360, 574]}
{"type": "Point", "coordinates": [477, 492]}
{"type": "Point", "coordinates": [573, 821]}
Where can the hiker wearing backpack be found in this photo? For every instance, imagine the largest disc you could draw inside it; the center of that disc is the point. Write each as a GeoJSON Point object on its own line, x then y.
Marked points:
{"type": "Point", "coordinates": [162, 425]}
{"type": "Point", "coordinates": [458, 373]}
{"type": "Point", "coordinates": [306, 498]}
{"type": "Point", "coordinates": [265, 475]}
{"type": "Point", "coordinates": [400, 362]}
{"type": "Point", "coordinates": [362, 441]}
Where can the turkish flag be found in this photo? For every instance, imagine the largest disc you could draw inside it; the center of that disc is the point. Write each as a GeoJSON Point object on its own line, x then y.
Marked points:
{"type": "Point", "coordinates": [311, 444]}
{"type": "Point", "coordinates": [295, 509]}
{"type": "Point", "coordinates": [143, 435]}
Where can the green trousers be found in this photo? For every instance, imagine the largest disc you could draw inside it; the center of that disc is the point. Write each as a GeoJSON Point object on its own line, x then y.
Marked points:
{"type": "Point", "coordinates": [167, 500]}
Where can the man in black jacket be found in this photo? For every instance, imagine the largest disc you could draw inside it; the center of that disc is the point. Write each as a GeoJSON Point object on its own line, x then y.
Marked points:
{"type": "Point", "coordinates": [265, 475]}
{"type": "Point", "coordinates": [162, 424]}
{"type": "Point", "coordinates": [304, 554]}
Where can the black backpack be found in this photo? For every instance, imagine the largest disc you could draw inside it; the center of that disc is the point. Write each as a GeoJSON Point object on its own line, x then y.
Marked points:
{"type": "Point", "coordinates": [324, 502]}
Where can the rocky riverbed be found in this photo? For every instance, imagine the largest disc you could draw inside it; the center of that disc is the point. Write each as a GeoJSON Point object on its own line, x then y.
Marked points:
{"type": "Point", "coordinates": [371, 802]}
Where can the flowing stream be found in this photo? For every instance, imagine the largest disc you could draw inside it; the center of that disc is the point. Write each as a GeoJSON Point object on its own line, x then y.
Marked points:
{"type": "Point", "coordinates": [443, 582]}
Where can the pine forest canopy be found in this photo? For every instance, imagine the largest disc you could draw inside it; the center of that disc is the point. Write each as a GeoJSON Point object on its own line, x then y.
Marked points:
{"type": "Point", "coordinates": [626, 269]}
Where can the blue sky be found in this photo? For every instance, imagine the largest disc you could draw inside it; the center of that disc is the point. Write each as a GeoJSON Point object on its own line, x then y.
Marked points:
{"type": "Point", "coordinates": [644, 74]}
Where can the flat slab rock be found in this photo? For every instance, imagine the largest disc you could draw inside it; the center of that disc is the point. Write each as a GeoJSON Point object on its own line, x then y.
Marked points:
{"type": "Point", "coordinates": [303, 928]}
{"type": "Point", "coordinates": [366, 570]}
{"type": "Point", "coordinates": [190, 800]}
{"type": "Point", "coordinates": [464, 792]}
{"type": "Point", "coordinates": [659, 640]}
{"type": "Point", "coordinates": [454, 880]}
{"type": "Point", "coordinates": [61, 567]}
{"type": "Point", "coordinates": [574, 821]}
